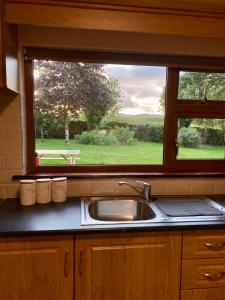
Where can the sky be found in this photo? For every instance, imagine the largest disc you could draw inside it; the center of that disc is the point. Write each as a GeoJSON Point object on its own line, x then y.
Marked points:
{"type": "Point", "coordinates": [141, 87]}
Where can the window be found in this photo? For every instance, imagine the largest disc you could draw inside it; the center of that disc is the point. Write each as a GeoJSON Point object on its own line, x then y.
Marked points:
{"type": "Point", "coordinates": [110, 113]}
{"type": "Point", "coordinates": [106, 112]}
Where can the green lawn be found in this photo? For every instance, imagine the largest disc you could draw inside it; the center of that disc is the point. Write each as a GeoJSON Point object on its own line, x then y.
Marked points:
{"type": "Point", "coordinates": [139, 153]}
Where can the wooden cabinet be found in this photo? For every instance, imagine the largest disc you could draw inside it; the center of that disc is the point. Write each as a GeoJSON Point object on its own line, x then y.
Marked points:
{"type": "Point", "coordinates": [203, 273]}
{"type": "Point", "coordinates": [204, 294]}
{"type": "Point", "coordinates": [204, 244]}
{"type": "Point", "coordinates": [203, 265]}
{"type": "Point", "coordinates": [36, 268]}
{"type": "Point", "coordinates": [8, 57]}
{"type": "Point", "coordinates": [128, 266]}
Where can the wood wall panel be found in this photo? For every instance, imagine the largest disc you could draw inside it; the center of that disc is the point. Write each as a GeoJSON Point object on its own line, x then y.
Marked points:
{"type": "Point", "coordinates": [209, 6]}
{"type": "Point", "coordinates": [85, 18]}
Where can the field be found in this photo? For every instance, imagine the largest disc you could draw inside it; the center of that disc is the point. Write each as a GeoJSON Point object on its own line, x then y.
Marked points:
{"type": "Point", "coordinates": [140, 119]}
{"type": "Point", "coordinates": [139, 153]}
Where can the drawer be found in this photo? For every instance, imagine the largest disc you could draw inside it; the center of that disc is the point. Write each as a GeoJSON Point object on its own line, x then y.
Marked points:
{"type": "Point", "coordinates": [204, 244]}
{"type": "Point", "coordinates": [204, 294]}
{"type": "Point", "coordinates": [203, 273]}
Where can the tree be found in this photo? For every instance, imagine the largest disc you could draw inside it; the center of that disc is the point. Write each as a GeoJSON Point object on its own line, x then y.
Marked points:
{"type": "Point", "coordinates": [68, 88]}
{"type": "Point", "coordinates": [45, 123]}
{"type": "Point", "coordinates": [98, 95]}
{"type": "Point", "coordinates": [162, 100]}
{"type": "Point", "coordinates": [202, 86]}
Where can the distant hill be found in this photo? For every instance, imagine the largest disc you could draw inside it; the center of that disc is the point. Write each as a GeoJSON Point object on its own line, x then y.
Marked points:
{"type": "Point", "coordinates": [136, 119]}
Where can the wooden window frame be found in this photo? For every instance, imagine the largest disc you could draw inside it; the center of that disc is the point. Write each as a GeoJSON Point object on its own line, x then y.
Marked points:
{"type": "Point", "coordinates": [174, 109]}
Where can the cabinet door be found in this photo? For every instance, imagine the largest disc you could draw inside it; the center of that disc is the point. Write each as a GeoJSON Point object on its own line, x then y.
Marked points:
{"type": "Point", "coordinates": [1, 47]}
{"type": "Point", "coordinates": [37, 269]}
{"type": "Point", "coordinates": [128, 266]}
{"type": "Point", "coordinates": [9, 83]}
{"type": "Point", "coordinates": [204, 294]}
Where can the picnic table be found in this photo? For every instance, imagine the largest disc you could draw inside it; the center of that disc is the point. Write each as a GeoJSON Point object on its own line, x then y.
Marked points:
{"type": "Point", "coordinates": [68, 155]}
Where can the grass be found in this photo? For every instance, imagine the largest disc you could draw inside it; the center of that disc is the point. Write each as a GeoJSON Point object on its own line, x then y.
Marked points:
{"type": "Point", "coordinates": [139, 153]}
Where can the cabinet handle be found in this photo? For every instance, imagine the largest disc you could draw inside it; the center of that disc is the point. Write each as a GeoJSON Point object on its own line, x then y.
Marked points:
{"type": "Point", "coordinates": [216, 276]}
{"type": "Point", "coordinates": [215, 247]}
{"type": "Point", "coordinates": [81, 262]}
{"type": "Point", "coordinates": [66, 264]}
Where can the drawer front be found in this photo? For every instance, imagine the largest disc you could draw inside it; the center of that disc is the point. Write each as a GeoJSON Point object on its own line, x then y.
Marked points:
{"type": "Point", "coordinates": [203, 273]}
{"type": "Point", "coordinates": [204, 294]}
{"type": "Point", "coordinates": [204, 244]}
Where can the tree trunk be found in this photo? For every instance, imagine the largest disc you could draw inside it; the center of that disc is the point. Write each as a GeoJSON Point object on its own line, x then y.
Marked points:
{"type": "Point", "coordinates": [42, 135]}
{"type": "Point", "coordinates": [67, 133]}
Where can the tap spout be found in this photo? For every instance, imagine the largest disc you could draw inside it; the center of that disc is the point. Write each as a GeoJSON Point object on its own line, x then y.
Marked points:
{"type": "Point", "coordinates": [145, 193]}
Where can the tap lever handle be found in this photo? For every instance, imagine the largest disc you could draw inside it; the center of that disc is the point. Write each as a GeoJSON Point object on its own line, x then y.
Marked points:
{"type": "Point", "coordinates": [143, 182]}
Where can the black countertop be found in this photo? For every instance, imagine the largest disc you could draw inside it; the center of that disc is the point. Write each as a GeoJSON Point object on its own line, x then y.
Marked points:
{"type": "Point", "coordinates": [64, 218]}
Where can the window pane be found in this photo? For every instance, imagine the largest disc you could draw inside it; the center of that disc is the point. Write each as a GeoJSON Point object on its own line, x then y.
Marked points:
{"type": "Point", "coordinates": [106, 113]}
{"type": "Point", "coordinates": [201, 86]}
{"type": "Point", "coordinates": [201, 138]}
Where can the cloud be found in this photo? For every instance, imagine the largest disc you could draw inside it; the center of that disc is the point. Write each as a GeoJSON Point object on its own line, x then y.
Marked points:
{"type": "Point", "coordinates": [141, 86]}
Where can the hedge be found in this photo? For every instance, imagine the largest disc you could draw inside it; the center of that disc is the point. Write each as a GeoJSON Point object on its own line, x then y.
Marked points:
{"type": "Point", "coordinates": [211, 136]}
{"type": "Point", "coordinates": [75, 127]}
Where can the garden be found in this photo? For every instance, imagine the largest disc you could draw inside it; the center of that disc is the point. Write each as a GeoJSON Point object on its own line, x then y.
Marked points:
{"type": "Point", "coordinates": [89, 118]}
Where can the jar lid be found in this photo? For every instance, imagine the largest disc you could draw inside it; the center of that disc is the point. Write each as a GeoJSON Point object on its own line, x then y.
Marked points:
{"type": "Point", "coordinates": [27, 181]}
{"type": "Point", "coordinates": [59, 179]}
{"type": "Point", "coordinates": [44, 180]}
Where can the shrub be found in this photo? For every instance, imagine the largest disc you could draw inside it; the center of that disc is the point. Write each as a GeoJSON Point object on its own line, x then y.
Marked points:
{"type": "Point", "coordinates": [189, 137]}
{"type": "Point", "coordinates": [95, 137]}
{"type": "Point", "coordinates": [120, 135]}
{"type": "Point", "coordinates": [77, 127]}
{"type": "Point", "coordinates": [124, 135]}
{"type": "Point", "coordinates": [150, 133]}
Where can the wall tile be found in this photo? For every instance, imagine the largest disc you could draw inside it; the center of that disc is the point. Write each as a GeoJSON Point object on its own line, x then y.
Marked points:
{"type": "Point", "coordinates": [203, 186]}
{"type": "Point", "coordinates": [78, 188]}
{"type": "Point", "coordinates": [2, 191]}
{"type": "Point", "coordinates": [12, 190]}
{"type": "Point", "coordinates": [158, 186]}
{"type": "Point", "coordinates": [12, 135]}
{"type": "Point", "coordinates": [220, 186]}
{"type": "Point", "coordinates": [8, 174]}
{"type": "Point", "coordinates": [10, 113]}
{"type": "Point", "coordinates": [11, 149]}
{"type": "Point", "coordinates": [2, 162]}
{"type": "Point", "coordinates": [178, 187]}
{"type": "Point", "coordinates": [1, 134]}
{"type": "Point", "coordinates": [13, 162]}
{"type": "Point", "coordinates": [104, 187]}
{"type": "Point", "coordinates": [2, 176]}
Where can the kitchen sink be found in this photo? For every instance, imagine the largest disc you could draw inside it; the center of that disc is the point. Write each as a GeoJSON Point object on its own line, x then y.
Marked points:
{"type": "Point", "coordinates": [120, 210]}
{"type": "Point", "coordinates": [134, 210]}
{"type": "Point", "coordinates": [106, 210]}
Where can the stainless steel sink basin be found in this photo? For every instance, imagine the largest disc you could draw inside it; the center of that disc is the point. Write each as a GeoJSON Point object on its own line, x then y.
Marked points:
{"type": "Point", "coordinates": [113, 210]}
{"type": "Point", "coordinates": [120, 210]}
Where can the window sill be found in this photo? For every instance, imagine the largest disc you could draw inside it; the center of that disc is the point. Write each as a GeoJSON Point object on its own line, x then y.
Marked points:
{"type": "Point", "coordinates": [121, 175]}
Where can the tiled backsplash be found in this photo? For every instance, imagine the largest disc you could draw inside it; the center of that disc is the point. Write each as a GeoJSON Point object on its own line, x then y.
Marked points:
{"type": "Point", "coordinates": [159, 187]}
{"type": "Point", "coordinates": [11, 164]}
